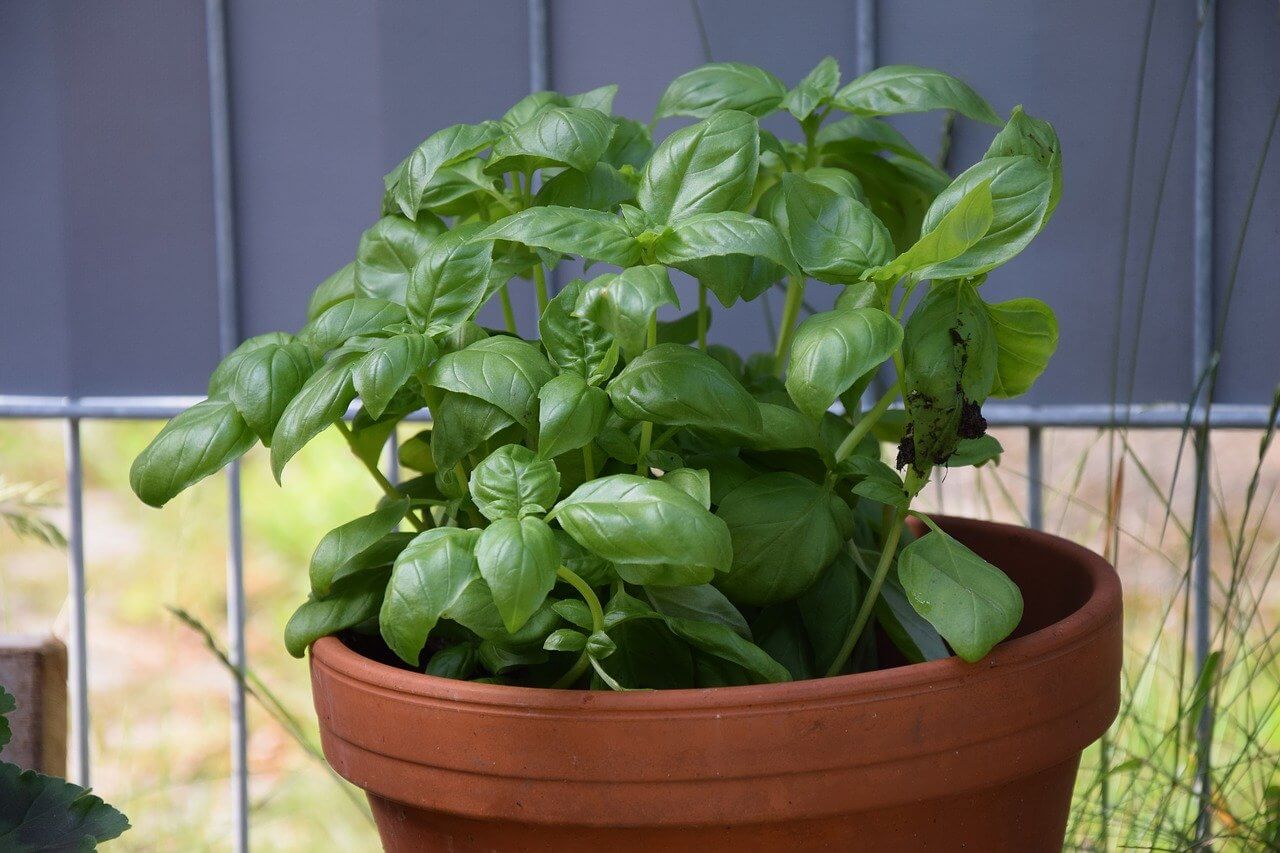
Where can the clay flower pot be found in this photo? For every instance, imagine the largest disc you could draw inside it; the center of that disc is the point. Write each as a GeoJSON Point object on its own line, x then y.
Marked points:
{"type": "Point", "coordinates": [940, 756]}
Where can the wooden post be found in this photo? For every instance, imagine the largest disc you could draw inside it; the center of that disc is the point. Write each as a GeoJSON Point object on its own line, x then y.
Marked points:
{"type": "Point", "coordinates": [34, 670]}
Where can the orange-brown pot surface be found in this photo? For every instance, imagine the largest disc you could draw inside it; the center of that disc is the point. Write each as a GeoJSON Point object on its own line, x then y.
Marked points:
{"type": "Point", "coordinates": [936, 756]}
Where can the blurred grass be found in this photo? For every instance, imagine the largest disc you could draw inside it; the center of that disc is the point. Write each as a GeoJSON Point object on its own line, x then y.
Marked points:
{"type": "Point", "coordinates": [160, 724]}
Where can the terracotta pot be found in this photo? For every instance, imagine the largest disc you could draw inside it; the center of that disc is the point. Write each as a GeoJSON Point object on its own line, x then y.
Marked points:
{"type": "Point", "coordinates": [939, 756]}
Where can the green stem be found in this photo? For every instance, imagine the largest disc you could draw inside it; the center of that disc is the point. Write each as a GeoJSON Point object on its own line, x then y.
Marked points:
{"type": "Point", "coordinates": [588, 461]}
{"type": "Point", "coordinates": [873, 592]}
{"type": "Point", "coordinates": [790, 313]}
{"type": "Point", "coordinates": [381, 479]}
{"type": "Point", "coordinates": [702, 316]}
{"type": "Point", "coordinates": [646, 429]}
{"type": "Point", "coordinates": [540, 287]}
{"type": "Point", "coordinates": [865, 423]}
{"type": "Point", "coordinates": [588, 594]}
{"type": "Point", "coordinates": [508, 313]}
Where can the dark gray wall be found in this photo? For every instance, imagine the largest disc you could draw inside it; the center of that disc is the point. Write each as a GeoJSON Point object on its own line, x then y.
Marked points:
{"type": "Point", "coordinates": [106, 259]}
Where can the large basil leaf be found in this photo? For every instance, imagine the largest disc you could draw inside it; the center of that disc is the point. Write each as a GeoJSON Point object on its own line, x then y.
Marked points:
{"type": "Point", "coordinates": [476, 611]}
{"type": "Point", "coordinates": [1021, 187]}
{"type": "Point", "coordinates": [693, 244]}
{"type": "Point", "coordinates": [323, 399]}
{"type": "Point", "coordinates": [695, 482]}
{"type": "Point", "coordinates": [701, 603]}
{"type": "Point", "coordinates": [833, 350]}
{"type": "Point", "coordinates": [388, 252]}
{"type": "Point", "coordinates": [784, 531]}
{"type": "Point", "coordinates": [625, 303]}
{"type": "Point", "coordinates": [501, 370]}
{"type": "Point", "coordinates": [451, 280]}
{"type": "Point", "coordinates": [193, 445]}
{"type": "Point", "coordinates": [511, 482]}
{"type": "Point", "coordinates": [953, 235]}
{"type": "Point", "coordinates": [461, 190]}
{"type": "Point", "coordinates": [460, 424]}
{"type": "Point", "coordinates": [676, 385]}
{"type": "Point", "coordinates": [353, 600]}
{"type": "Point", "coordinates": [651, 531]}
{"type": "Point", "coordinates": [866, 136]}
{"type": "Point", "coordinates": [225, 373]}
{"type": "Point", "coordinates": [576, 344]}
{"type": "Point", "coordinates": [631, 145]}
{"type": "Point", "coordinates": [973, 604]}
{"type": "Point", "coordinates": [814, 90]}
{"type": "Point", "coordinates": [382, 371]}
{"type": "Point", "coordinates": [1032, 137]}
{"type": "Point", "coordinates": [897, 89]}
{"type": "Point", "coordinates": [429, 577]}
{"type": "Point", "coordinates": [829, 608]}
{"type": "Point", "coordinates": [602, 188]}
{"type": "Point", "coordinates": [600, 98]}
{"type": "Point", "coordinates": [562, 136]}
{"type": "Point", "coordinates": [348, 541]}
{"type": "Point", "coordinates": [719, 86]}
{"type": "Point", "coordinates": [408, 183]}
{"type": "Point", "coordinates": [834, 238]}
{"type": "Point", "coordinates": [1026, 333]}
{"type": "Point", "coordinates": [591, 234]}
{"type": "Point", "coordinates": [725, 643]}
{"type": "Point", "coordinates": [328, 293]}
{"type": "Point", "coordinates": [592, 568]}
{"type": "Point", "coordinates": [518, 560]}
{"type": "Point", "coordinates": [707, 167]}
{"type": "Point", "coordinates": [266, 379]}
{"type": "Point", "coordinates": [571, 414]}
{"type": "Point", "coordinates": [910, 632]}
{"type": "Point", "coordinates": [348, 319]}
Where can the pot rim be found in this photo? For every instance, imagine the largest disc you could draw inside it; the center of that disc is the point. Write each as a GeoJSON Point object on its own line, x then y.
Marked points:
{"type": "Point", "coordinates": [1056, 639]}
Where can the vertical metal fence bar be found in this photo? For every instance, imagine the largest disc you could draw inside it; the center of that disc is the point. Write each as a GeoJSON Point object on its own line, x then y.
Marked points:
{"type": "Point", "coordinates": [865, 46]}
{"type": "Point", "coordinates": [1035, 478]}
{"type": "Point", "coordinates": [391, 460]}
{"type": "Point", "coordinates": [78, 659]}
{"type": "Point", "coordinates": [229, 336]}
{"type": "Point", "coordinates": [1202, 346]}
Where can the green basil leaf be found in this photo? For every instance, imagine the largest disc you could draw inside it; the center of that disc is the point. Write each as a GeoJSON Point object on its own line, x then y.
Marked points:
{"type": "Point", "coordinates": [504, 371]}
{"type": "Point", "coordinates": [910, 632]}
{"type": "Point", "coordinates": [225, 373]}
{"type": "Point", "coordinates": [675, 385]}
{"type": "Point", "coordinates": [866, 136]}
{"type": "Point", "coordinates": [898, 195]}
{"type": "Point", "coordinates": [878, 482]}
{"type": "Point", "coordinates": [834, 238]}
{"type": "Point", "coordinates": [694, 482]}
{"type": "Point", "coordinates": [624, 303]}
{"type": "Point", "coordinates": [565, 640]}
{"type": "Point", "coordinates": [833, 350]}
{"type": "Point", "coordinates": [409, 182]}
{"type": "Point", "coordinates": [193, 445]}
{"type": "Point", "coordinates": [591, 234]}
{"type": "Point", "coordinates": [561, 136]}
{"type": "Point", "coordinates": [953, 235]}
{"type": "Point", "coordinates": [649, 657]}
{"type": "Point", "coordinates": [452, 279]}
{"type": "Point", "coordinates": [631, 144]}
{"type": "Point", "coordinates": [814, 90]}
{"type": "Point", "coordinates": [1021, 187]}
{"type": "Point", "coordinates": [518, 559]}
{"type": "Point", "coordinates": [708, 167]}
{"type": "Point", "coordinates": [334, 289]}
{"type": "Point", "coordinates": [344, 543]}
{"type": "Point", "coordinates": [783, 429]}
{"type": "Point", "coordinates": [682, 330]}
{"type": "Point", "coordinates": [323, 399]}
{"type": "Point", "coordinates": [461, 190]}
{"type": "Point", "coordinates": [460, 424]}
{"type": "Point", "coordinates": [600, 98]}
{"type": "Point", "coordinates": [592, 568]}
{"type": "Point", "coordinates": [1026, 333]}
{"type": "Point", "coordinates": [476, 611]}
{"type": "Point", "coordinates": [602, 187]}
{"type": "Point", "coordinates": [571, 414]}
{"type": "Point", "coordinates": [973, 604]}
{"type": "Point", "coordinates": [692, 240]}
{"type": "Point", "coordinates": [897, 89]}
{"type": "Point", "coordinates": [531, 105]}
{"type": "Point", "coordinates": [829, 608]}
{"type": "Point", "coordinates": [348, 319]}
{"type": "Point", "coordinates": [651, 531]}
{"type": "Point", "coordinates": [784, 533]}
{"type": "Point", "coordinates": [572, 609]}
{"type": "Point", "coordinates": [976, 452]}
{"type": "Point", "coordinates": [382, 371]}
{"type": "Point", "coordinates": [701, 603]}
{"type": "Point", "coordinates": [576, 344]}
{"type": "Point", "coordinates": [265, 381]}
{"type": "Point", "coordinates": [511, 482]}
{"type": "Point", "coordinates": [428, 579]}
{"type": "Point", "coordinates": [388, 252]}
{"type": "Point", "coordinates": [1032, 137]}
{"type": "Point", "coordinates": [719, 86]}
{"type": "Point", "coordinates": [354, 600]}
{"type": "Point", "coordinates": [723, 642]}
{"type": "Point", "coordinates": [457, 662]}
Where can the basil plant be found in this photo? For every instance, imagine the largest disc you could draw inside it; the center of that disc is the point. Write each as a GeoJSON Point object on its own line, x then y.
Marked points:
{"type": "Point", "coordinates": [618, 503]}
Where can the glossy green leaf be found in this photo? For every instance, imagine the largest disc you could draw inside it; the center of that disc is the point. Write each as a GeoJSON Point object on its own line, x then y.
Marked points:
{"type": "Point", "coordinates": [575, 344]}
{"type": "Point", "coordinates": [511, 482]}
{"type": "Point", "coordinates": [334, 289]}
{"type": "Point", "coordinates": [624, 303]}
{"type": "Point", "coordinates": [1026, 333]}
{"type": "Point", "coordinates": [429, 577]}
{"type": "Point", "coordinates": [784, 533]}
{"type": "Point", "coordinates": [565, 640]}
{"type": "Point", "coordinates": [348, 319]}
{"type": "Point", "coordinates": [591, 567]}
{"type": "Point", "coordinates": [976, 451]}
{"type": "Point", "coordinates": [591, 234]}
{"type": "Point", "coordinates": [719, 86]}
{"type": "Point", "coordinates": [388, 252]}
{"type": "Point", "coordinates": [323, 399]}
{"type": "Point", "coordinates": [600, 98]}
{"type": "Point", "coordinates": [701, 603]}
{"type": "Point", "coordinates": [867, 136]}
{"type": "Point", "coordinates": [691, 245]}
{"type": "Point", "coordinates": [829, 608]}
{"type": "Point", "coordinates": [602, 187]}
{"type": "Point", "coordinates": [562, 136]}
{"type": "Point", "coordinates": [195, 444]}
{"type": "Point", "coordinates": [833, 237]}
{"type": "Point", "coordinates": [457, 661]}
{"type": "Point", "coordinates": [649, 657]}
{"type": "Point", "coordinates": [408, 183]}
{"type": "Point", "coordinates": [461, 423]}
{"type": "Point", "coordinates": [833, 350]}
{"type": "Point", "coordinates": [348, 541]}
{"type": "Point", "coordinates": [504, 371]}
{"type": "Point", "coordinates": [476, 611]}
{"type": "Point", "coordinates": [266, 379]}
{"type": "Point", "coordinates": [224, 374]}
{"type": "Point", "coordinates": [651, 531]}
{"type": "Point", "coordinates": [694, 482]}
{"type": "Point", "coordinates": [897, 89]}
{"type": "Point", "coordinates": [723, 642]}
{"type": "Point", "coordinates": [1035, 138]}
{"type": "Point", "coordinates": [878, 482]}
{"type": "Point", "coordinates": [708, 167]}
{"type": "Point", "coordinates": [383, 371]}
{"type": "Point", "coordinates": [518, 559]}
{"type": "Point", "coordinates": [676, 385]}
{"type": "Point", "coordinates": [631, 144]}
{"type": "Point", "coordinates": [953, 235]}
{"type": "Point", "coordinates": [353, 600]}
{"type": "Point", "coordinates": [814, 90]}
{"type": "Point", "coordinates": [571, 414]}
{"type": "Point", "coordinates": [972, 603]}
{"type": "Point", "coordinates": [451, 280]}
